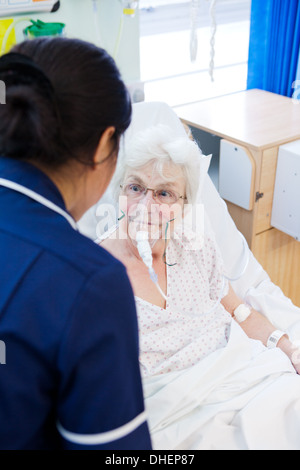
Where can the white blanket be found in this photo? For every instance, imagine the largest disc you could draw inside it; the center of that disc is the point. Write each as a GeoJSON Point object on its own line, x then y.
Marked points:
{"type": "Point", "coordinates": [242, 397]}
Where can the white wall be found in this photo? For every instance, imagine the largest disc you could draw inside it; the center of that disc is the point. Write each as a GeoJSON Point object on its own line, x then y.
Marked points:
{"type": "Point", "coordinates": [80, 23]}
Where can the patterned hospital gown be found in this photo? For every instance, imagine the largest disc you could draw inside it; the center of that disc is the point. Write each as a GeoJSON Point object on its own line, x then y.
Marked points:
{"type": "Point", "coordinates": [194, 323]}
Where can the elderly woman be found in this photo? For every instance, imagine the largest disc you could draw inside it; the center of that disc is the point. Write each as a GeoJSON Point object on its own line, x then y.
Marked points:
{"type": "Point", "coordinates": [216, 373]}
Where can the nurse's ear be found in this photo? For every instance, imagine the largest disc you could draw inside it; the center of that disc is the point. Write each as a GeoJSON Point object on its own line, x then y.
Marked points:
{"type": "Point", "coordinates": [107, 147]}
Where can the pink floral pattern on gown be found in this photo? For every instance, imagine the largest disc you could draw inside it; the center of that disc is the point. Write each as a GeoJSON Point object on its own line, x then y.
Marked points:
{"type": "Point", "coordinates": [194, 323]}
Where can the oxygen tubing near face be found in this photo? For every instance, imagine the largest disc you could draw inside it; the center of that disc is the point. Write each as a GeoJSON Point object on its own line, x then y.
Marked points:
{"type": "Point", "coordinates": [145, 228]}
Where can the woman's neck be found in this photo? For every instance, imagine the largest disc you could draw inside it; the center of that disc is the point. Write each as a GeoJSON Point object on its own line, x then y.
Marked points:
{"type": "Point", "coordinates": [69, 180]}
{"type": "Point", "coordinates": [158, 250]}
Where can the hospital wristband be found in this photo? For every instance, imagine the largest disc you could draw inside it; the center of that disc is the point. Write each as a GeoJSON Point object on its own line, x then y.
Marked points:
{"type": "Point", "coordinates": [274, 339]}
{"type": "Point", "coordinates": [242, 312]}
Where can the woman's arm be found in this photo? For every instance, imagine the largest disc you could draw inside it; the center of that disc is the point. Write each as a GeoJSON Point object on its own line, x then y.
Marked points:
{"type": "Point", "coordinates": [257, 326]}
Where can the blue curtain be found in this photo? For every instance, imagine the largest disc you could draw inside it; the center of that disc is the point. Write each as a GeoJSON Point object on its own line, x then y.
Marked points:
{"type": "Point", "coordinates": [274, 45]}
{"type": "Point", "coordinates": [298, 69]}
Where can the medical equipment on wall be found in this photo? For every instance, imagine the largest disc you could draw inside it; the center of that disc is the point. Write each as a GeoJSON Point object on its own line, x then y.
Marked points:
{"type": "Point", "coordinates": [15, 7]}
{"type": "Point", "coordinates": [6, 42]}
{"type": "Point", "coordinates": [40, 29]}
{"type": "Point", "coordinates": [37, 29]}
{"type": "Point", "coordinates": [195, 7]}
{"type": "Point", "coordinates": [128, 10]}
{"type": "Point", "coordinates": [286, 209]}
{"type": "Point", "coordinates": [129, 7]}
{"type": "Point", "coordinates": [10, 39]}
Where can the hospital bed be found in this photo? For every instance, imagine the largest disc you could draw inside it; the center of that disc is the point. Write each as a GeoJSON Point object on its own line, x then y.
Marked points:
{"type": "Point", "coordinates": [251, 282]}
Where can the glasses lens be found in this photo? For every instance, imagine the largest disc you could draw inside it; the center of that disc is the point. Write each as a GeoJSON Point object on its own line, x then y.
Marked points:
{"type": "Point", "coordinates": [163, 196]}
{"type": "Point", "coordinates": [134, 190]}
{"type": "Point", "coordinates": [166, 197]}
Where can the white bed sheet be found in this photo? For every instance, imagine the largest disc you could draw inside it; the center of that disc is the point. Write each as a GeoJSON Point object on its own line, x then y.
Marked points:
{"type": "Point", "coordinates": [242, 397]}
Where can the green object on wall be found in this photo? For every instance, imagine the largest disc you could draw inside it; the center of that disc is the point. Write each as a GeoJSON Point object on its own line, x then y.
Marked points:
{"type": "Point", "coordinates": [39, 29]}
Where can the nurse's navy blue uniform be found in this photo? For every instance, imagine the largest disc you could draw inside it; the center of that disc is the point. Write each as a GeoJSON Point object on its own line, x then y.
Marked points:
{"type": "Point", "coordinates": [71, 376]}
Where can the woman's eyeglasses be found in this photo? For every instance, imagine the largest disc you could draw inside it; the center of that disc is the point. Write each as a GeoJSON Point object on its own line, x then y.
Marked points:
{"type": "Point", "coordinates": [163, 196]}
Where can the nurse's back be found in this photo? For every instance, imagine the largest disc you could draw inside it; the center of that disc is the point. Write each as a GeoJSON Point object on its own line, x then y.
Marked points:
{"type": "Point", "coordinates": [67, 315]}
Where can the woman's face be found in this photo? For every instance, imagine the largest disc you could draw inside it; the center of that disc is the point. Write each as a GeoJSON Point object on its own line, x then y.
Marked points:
{"type": "Point", "coordinates": [156, 211]}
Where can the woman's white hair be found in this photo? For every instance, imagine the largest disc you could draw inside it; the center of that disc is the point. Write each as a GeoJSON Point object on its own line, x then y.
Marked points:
{"type": "Point", "coordinates": [159, 145]}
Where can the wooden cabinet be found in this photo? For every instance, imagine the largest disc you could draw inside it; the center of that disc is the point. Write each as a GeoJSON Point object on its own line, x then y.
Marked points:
{"type": "Point", "coordinates": [260, 122]}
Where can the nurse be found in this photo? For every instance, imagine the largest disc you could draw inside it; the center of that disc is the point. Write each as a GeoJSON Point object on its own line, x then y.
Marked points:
{"type": "Point", "coordinates": [70, 379]}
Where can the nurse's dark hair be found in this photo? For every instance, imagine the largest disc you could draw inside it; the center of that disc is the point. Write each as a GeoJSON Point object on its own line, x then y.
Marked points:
{"type": "Point", "coordinates": [61, 95]}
